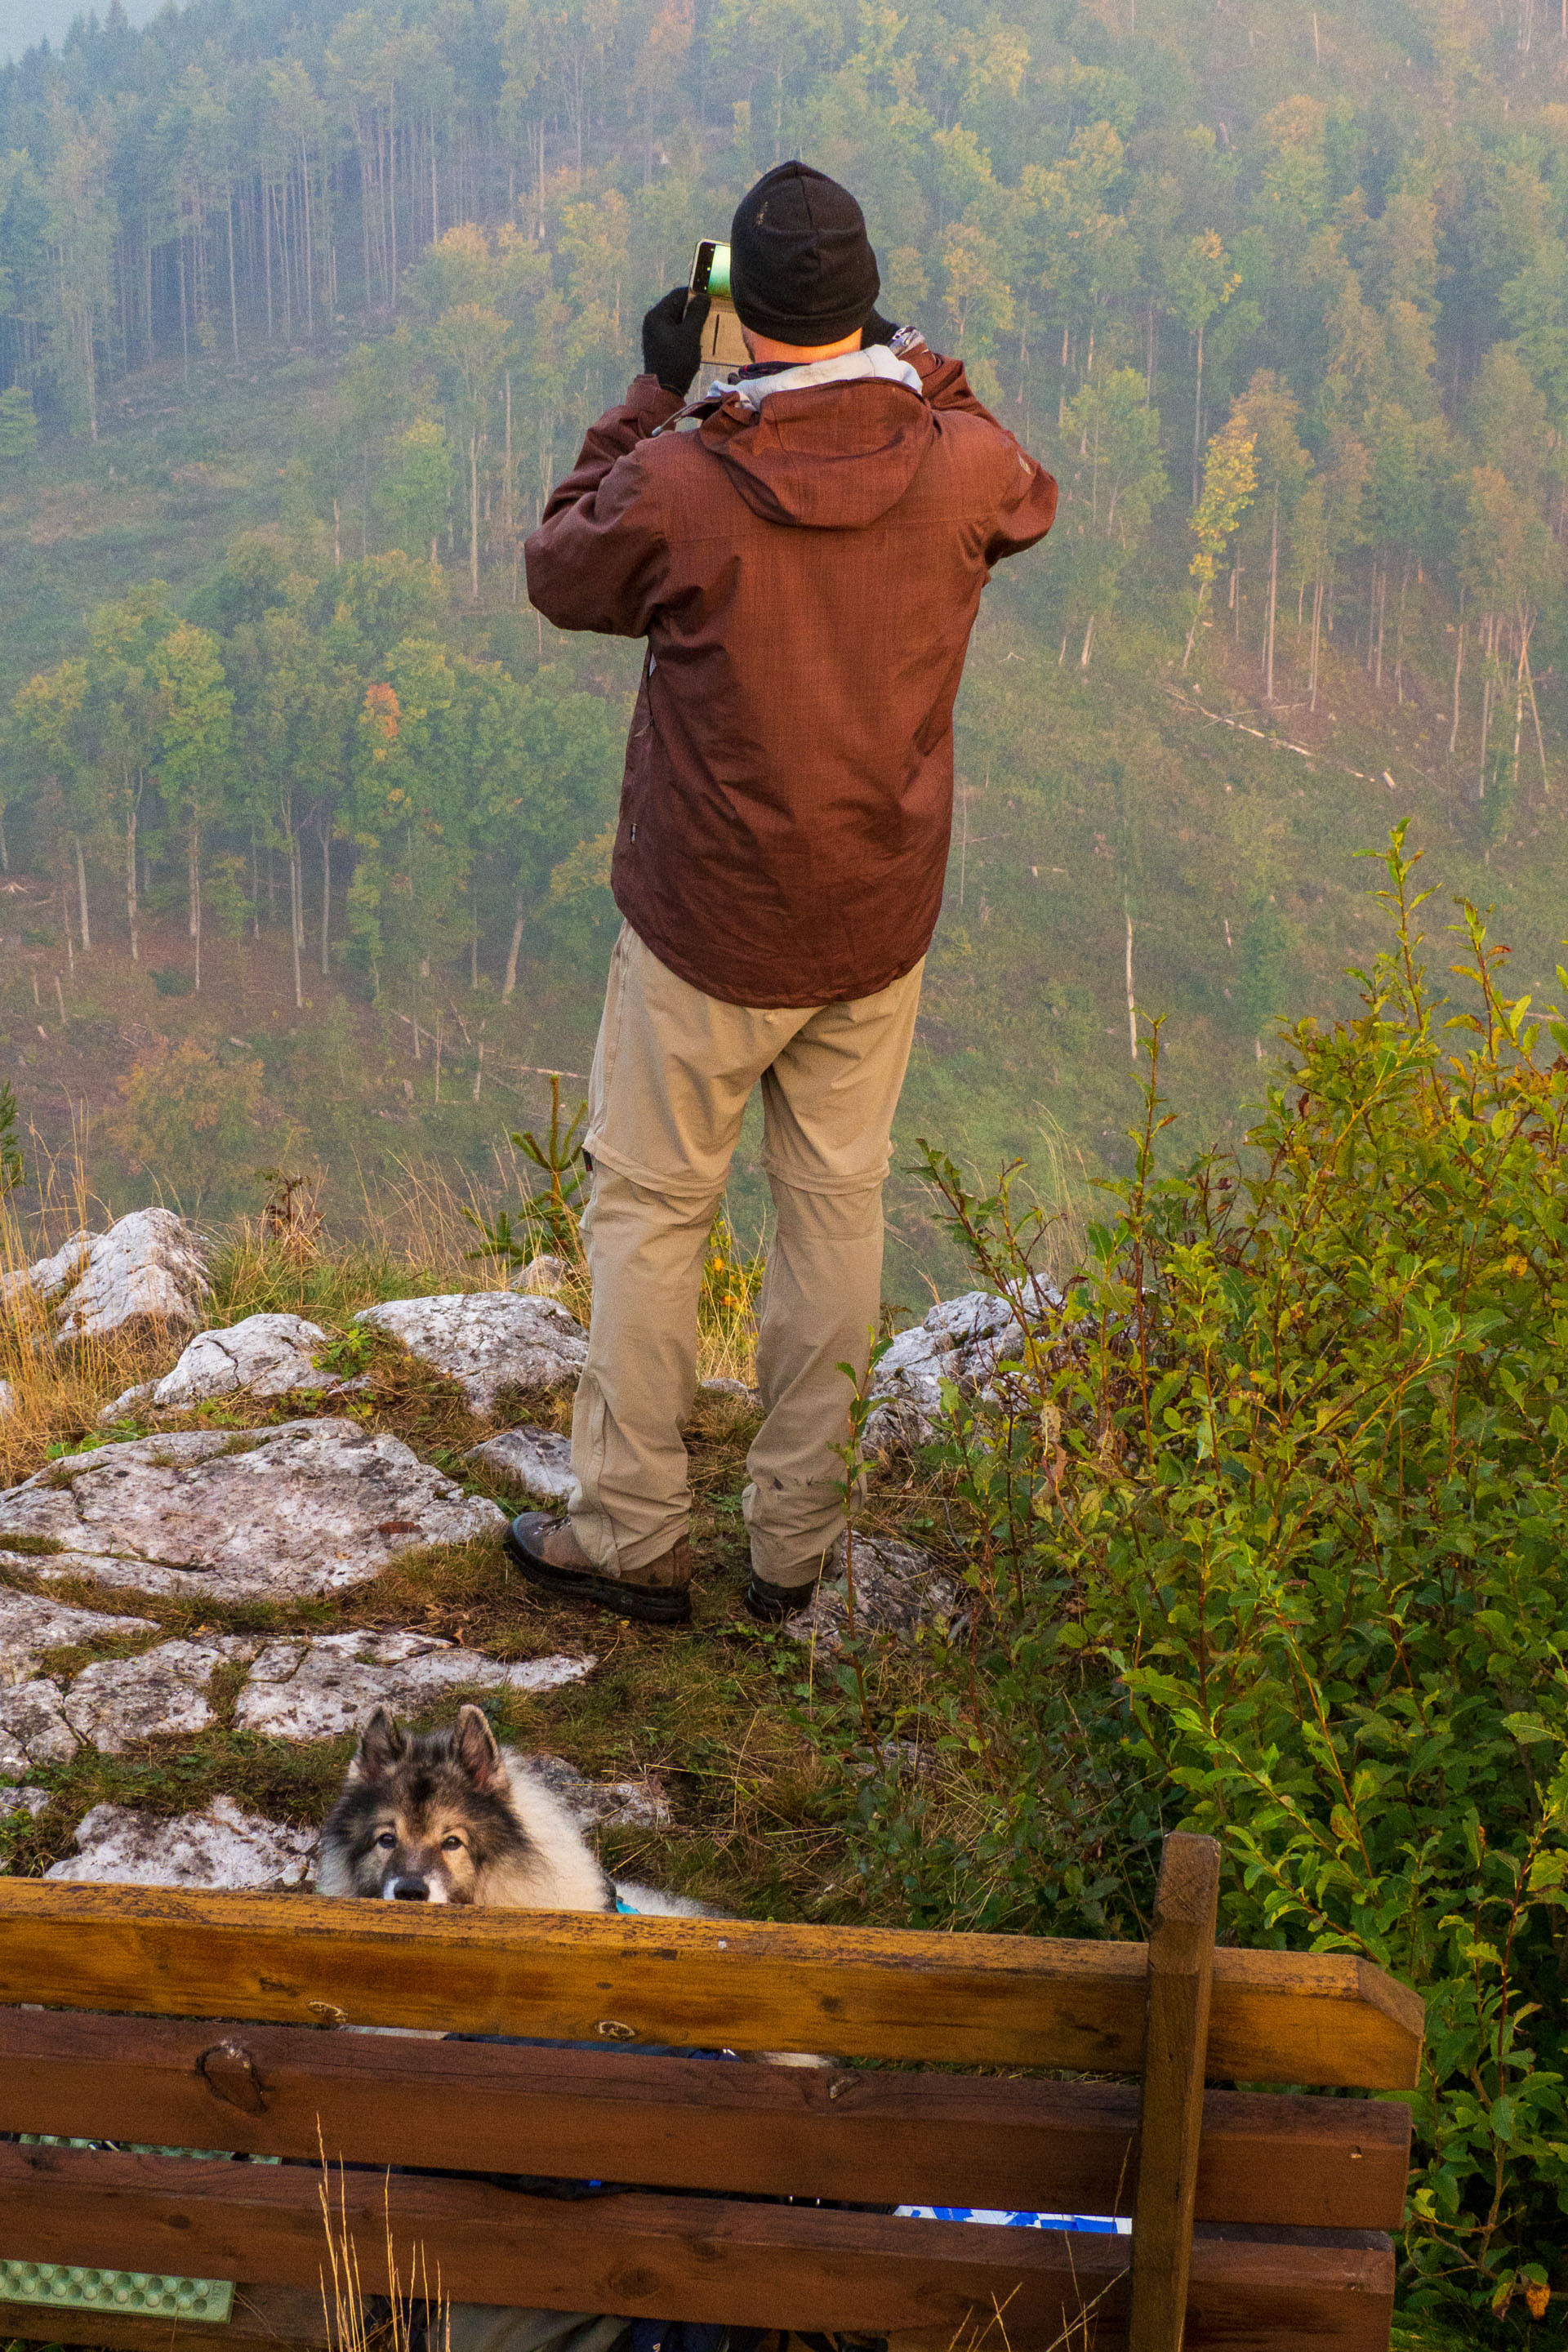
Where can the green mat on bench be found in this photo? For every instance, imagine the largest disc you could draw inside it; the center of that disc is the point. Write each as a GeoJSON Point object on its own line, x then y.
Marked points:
{"type": "Point", "coordinates": [64, 2287]}
{"type": "Point", "coordinates": [69, 2286]}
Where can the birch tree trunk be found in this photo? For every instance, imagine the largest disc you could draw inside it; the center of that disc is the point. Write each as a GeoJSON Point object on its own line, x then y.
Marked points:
{"type": "Point", "coordinates": [1273, 600]}
{"type": "Point", "coordinates": [196, 853]}
{"type": "Point", "coordinates": [510, 983]}
{"type": "Point", "coordinates": [1132, 1006]}
{"type": "Point", "coordinates": [82, 893]}
{"type": "Point", "coordinates": [130, 905]}
{"type": "Point", "coordinates": [296, 913]}
{"type": "Point", "coordinates": [474, 513]}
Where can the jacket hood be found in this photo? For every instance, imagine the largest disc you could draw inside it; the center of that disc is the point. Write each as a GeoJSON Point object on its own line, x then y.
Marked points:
{"type": "Point", "coordinates": [825, 452]}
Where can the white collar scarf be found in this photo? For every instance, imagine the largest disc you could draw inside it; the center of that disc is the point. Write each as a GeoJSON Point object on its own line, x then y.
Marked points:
{"type": "Point", "coordinates": [855, 367]}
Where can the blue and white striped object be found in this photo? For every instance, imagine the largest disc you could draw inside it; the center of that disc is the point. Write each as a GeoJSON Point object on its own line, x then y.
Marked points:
{"type": "Point", "coordinates": [1104, 2225]}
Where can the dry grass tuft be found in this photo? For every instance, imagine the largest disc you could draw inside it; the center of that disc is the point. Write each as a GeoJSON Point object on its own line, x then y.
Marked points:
{"type": "Point", "coordinates": [354, 2322]}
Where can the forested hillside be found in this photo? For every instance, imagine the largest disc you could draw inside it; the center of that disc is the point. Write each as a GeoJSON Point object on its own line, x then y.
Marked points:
{"type": "Point", "coordinates": [301, 311]}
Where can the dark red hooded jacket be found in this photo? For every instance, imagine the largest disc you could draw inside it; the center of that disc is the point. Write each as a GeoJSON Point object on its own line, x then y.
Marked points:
{"type": "Point", "coordinates": [806, 573]}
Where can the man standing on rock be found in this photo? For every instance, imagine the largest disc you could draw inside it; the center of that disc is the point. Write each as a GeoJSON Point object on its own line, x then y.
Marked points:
{"type": "Point", "coordinates": [804, 553]}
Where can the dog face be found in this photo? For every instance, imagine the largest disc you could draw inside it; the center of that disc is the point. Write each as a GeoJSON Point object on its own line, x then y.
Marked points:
{"type": "Point", "coordinates": [425, 1817]}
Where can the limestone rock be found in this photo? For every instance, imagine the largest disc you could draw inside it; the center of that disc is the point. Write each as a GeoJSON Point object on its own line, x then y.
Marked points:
{"type": "Point", "coordinates": [897, 1587]}
{"type": "Point", "coordinates": [962, 1340]}
{"type": "Point", "coordinates": [100, 1567]}
{"type": "Point", "coordinates": [7, 1398]}
{"type": "Point", "coordinates": [41, 1284]}
{"type": "Point", "coordinates": [29, 1625]}
{"type": "Point", "coordinates": [264, 1356]}
{"type": "Point", "coordinates": [23, 1801]}
{"type": "Point", "coordinates": [301, 1689]}
{"type": "Point", "coordinates": [537, 1460]}
{"type": "Point", "coordinates": [118, 1702]}
{"type": "Point", "coordinates": [723, 1387]}
{"type": "Point", "coordinates": [149, 1266]}
{"type": "Point", "coordinates": [488, 1341]}
{"type": "Point", "coordinates": [32, 1728]}
{"type": "Point", "coordinates": [131, 1404]}
{"type": "Point", "coordinates": [307, 1508]}
{"type": "Point", "coordinates": [604, 1804]}
{"type": "Point", "coordinates": [540, 1277]}
{"type": "Point", "coordinates": [222, 1846]}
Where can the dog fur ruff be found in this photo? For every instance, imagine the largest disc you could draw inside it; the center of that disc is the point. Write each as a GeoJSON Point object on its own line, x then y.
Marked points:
{"type": "Point", "coordinates": [451, 1816]}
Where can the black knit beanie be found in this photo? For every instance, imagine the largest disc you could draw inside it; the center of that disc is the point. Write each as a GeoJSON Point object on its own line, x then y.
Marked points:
{"type": "Point", "coordinates": [801, 266]}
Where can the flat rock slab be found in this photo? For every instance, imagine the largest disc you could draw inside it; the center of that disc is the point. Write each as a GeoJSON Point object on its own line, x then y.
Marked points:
{"type": "Point", "coordinates": [898, 1587]}
{"type": "Point", "coordinates": [29, 1625]}
{"type": "Point", "coordinates": [33, 1729]}
{"type": "Point", "coordinates": [22, 1800]}
{"type": "Point", "coordinates": [222, 1846]}
{"type": "Point", "coordinates": [100, 1567]}
{"type": "Point", "coordinates": [537, 1460]}
{"type": "Point", "coordinates": [117, 1703]}
{"type": "Point", "coordinates": [318, 1689]}
{"type": "Point", "coordinates": [488, 1341]}
{"type": "Point", "coordinates": [149, 1267]}
{"type": "Point", "coordinates": [308, 1507]}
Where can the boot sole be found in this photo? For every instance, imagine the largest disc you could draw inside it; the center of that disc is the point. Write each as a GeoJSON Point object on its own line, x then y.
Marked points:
{"type": "Point", "coordinates": [638, 1600]}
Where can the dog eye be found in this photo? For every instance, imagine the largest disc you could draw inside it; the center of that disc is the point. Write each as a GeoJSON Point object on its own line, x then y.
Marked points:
{"type": "Point", "coordinates": [452, 1845]}
{"type": "Point", "coordinates": [388, 1837]}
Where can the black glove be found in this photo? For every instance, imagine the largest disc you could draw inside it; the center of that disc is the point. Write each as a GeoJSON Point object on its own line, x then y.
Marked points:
{"type": "Point", "coordinates": [672, 339]}
{"type": "Point", "coordinates": [877, 329]}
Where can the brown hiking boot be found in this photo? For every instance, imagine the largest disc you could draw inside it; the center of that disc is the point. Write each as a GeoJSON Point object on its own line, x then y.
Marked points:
{"type": "Point", "coordinates": [546, 1550]}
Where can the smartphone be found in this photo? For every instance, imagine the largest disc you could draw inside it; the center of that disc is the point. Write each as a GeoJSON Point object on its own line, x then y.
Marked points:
{"type": "Point", "coordinates": [721, 343]}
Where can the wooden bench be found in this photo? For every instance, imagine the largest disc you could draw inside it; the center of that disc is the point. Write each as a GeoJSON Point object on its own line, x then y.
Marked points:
{"type": "Point", "coordinates": [1290, 2193]}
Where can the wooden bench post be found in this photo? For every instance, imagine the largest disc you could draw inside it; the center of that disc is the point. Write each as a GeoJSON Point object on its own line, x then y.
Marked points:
{"type": "Point", "coordinates": [1180, 1969]}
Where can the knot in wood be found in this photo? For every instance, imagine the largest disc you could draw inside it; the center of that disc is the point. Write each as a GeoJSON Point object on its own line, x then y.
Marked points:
{"type": "Point", "coordinates": [230, 2073]}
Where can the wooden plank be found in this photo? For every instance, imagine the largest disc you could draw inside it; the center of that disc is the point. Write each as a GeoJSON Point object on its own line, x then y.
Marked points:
{"type": "Point", "coordinates": [1180, 1969]}
{"type": "Point", "coordinates": [1276, 2295]}
{"type": "Point", "coordinates": [1323, 2164]}
{"type": "Point", "coordinates": [870, 1993]}
{"type": "Point", "coordinates": [265, 2319]}
{"type": "Point", "coordinates": [1315, 2018]}
{"type": "Point", "coordinates": [657, 2257]}
{"type": "Point", "coordinates": [871, 2136]}
{"type": "Point", "coordinates": [760, 2265]}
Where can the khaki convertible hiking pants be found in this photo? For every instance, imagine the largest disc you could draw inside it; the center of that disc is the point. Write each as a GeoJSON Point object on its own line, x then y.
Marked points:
{"type": "Point", "coordinates": [671, 1077]}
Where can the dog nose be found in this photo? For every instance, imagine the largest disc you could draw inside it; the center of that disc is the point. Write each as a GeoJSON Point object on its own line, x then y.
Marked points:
{"type": "Point", "coordinates": [410, 1890]}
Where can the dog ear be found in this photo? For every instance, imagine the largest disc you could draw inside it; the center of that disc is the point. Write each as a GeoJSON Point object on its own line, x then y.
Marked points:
{"type": "Point", "coordinates": [477, 1750]}
{"type": "Point", "coordinates": [382, 1746]}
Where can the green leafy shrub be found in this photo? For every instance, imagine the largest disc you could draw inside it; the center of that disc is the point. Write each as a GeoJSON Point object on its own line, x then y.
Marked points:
{"type": "Point", "coordinates": [1268, 1536]}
